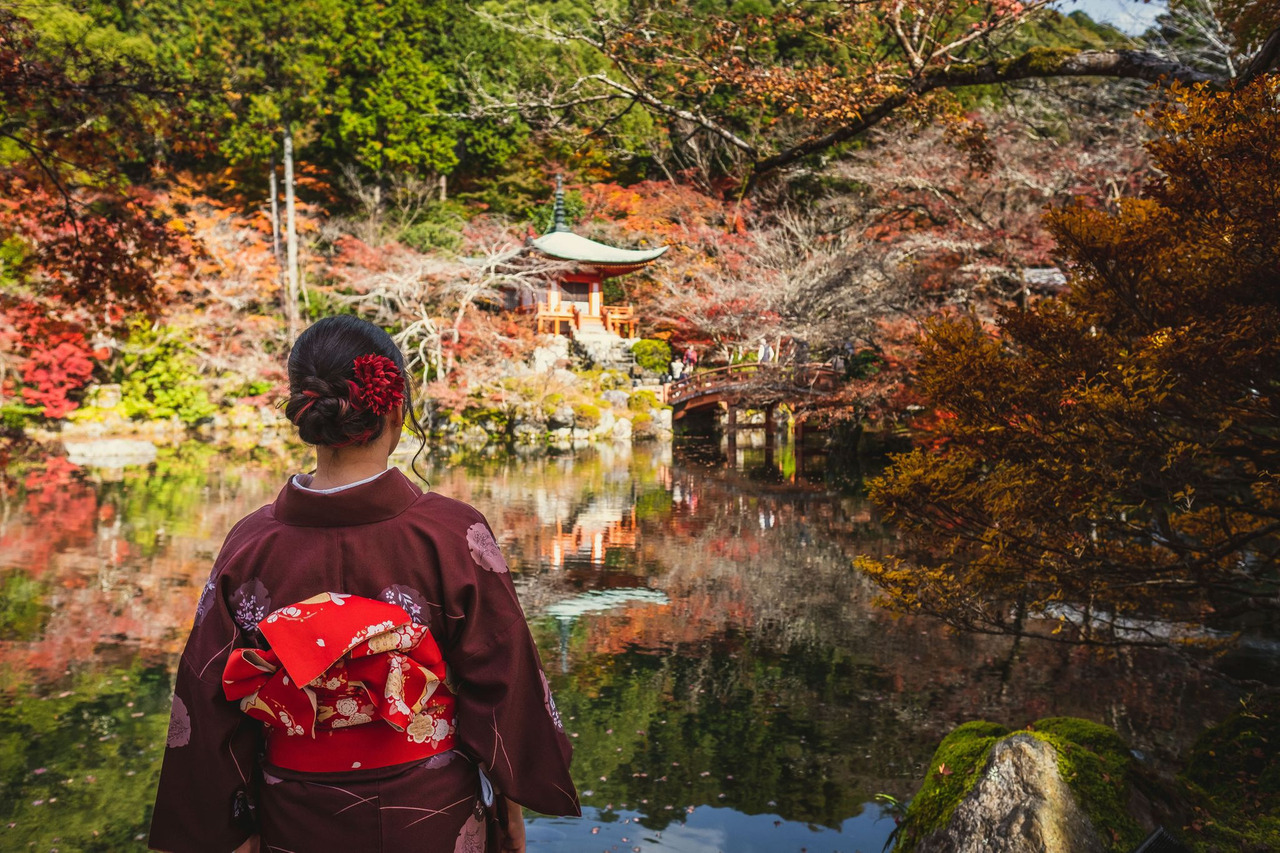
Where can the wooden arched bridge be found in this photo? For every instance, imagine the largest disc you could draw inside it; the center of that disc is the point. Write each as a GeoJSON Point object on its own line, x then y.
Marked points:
{"type": "Point", "coordinates": [755, 386]}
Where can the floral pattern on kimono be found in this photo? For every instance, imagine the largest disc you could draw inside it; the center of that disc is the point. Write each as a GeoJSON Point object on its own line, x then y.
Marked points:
{"type": "Point", "coordinates": [472, 837]}
{"type": "Point", "coordinates": [250, 605]}
{"type": "Point", "coordinates": [549, 701]}
{"type": "Point", "coordinates": [409, 598]}
{"type": "Point", "coordinates": [365, 679]}
{"type": "Point", "coordinates": [347, 711]}
{"type": "Point", "coordinates": [432, 723]}
{"type": "Point", "coordinates": [206, 599]}
{"type": "Point", "coordinates": [484, 549]}
{"type": "Point", "coordinates": [179, 725]}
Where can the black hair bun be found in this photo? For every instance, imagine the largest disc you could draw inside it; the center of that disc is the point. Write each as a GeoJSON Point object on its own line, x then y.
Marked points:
{"type": "Point", "coordinates": [325, 414]}
{"type": "Point", "coordinates": [322, 376]}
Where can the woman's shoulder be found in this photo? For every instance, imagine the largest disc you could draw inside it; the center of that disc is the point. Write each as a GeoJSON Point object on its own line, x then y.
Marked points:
{"type": "Point", "coordinates": [248, 529]}
{"type": "Point", "coordinates": [443, 512]}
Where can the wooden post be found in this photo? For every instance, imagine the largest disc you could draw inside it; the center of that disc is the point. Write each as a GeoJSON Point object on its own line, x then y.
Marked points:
{"type": "Point", "coordinates": [770, 434]}
{"type": "Point", "coordinates": [731, 433]}
{"type": "Point", "coordinates": [797, 436]}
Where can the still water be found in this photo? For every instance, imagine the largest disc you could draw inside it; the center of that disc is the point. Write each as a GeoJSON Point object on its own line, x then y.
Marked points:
{"type": "Point", "coordinates": [728, 679]}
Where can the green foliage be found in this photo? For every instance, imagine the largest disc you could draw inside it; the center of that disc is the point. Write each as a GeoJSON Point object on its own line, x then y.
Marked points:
{"type": "Point", "coordinates": [326, 303]}
{"type": "Point", "coordinates": [1233, 779]}
{"type": "Point", "coordinates": [955, 768]}
{"type": "Point", "coordinates": [494, 421]}
{"type": "Point", "coordinates": [23, 607]}
{"type": "Point", "coordinates": [251, 388]}
{"type": "Point", "coordinates": [612, 380]}
{"type": "Point", "coordinates": [15, 257]}
{"type": "Point", "coordinates": [160, 496]}
{"type": "Point", "coordinates": [643, 400]}
{"type": "Point", "coordinates": [16, 415]}
{"type": "Point", "coordinates": [655, 503]}
{"type": "Point", "coordinates": [1092, 760]}
{"type": "Point", "coordinates": [387, 101]}
{"type": "Point", "coordinates": [613, 292]}
{"type": "Point", "coordinates": [550, 403]}
{"type": "Point", "coordinates": [864, 364]}
{"type": "Point", "coordinates": [158, 379]}
{"type": "Point", "coordinates": [586, 416]}
{"type": "Point", "coordinates": [652, 355]}
{"type": "Point", "coordinates": [437, 228]}
{"type": "Point", "coordinates": [543, 217]}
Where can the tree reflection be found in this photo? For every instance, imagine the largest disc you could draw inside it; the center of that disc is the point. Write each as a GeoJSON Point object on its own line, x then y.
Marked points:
{"type": "Point", "coordinates": [737, 661]}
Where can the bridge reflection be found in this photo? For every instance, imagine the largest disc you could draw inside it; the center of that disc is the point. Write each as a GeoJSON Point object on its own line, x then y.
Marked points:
{"type": "Point", "coordinates": [748, 397]}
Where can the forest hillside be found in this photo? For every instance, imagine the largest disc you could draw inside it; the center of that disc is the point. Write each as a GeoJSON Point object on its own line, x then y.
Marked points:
{"type": "Point", "coordinates": [183, 186]}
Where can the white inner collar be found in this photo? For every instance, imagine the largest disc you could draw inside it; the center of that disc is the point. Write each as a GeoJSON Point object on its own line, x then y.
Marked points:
{"type": "Point", "coordinates": [297, 481]}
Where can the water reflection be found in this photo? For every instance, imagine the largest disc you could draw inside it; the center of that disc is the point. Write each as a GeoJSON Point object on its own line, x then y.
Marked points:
{"type": "Point", "coordinates": [729, 681]}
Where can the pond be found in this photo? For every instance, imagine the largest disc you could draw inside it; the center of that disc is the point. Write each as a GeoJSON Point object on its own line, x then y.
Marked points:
{"type": "Point", "coordinates": [728, 679]}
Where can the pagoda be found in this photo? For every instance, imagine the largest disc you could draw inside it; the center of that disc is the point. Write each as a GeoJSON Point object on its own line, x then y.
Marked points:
{"type": "Point", "coordinates": [573, 302]}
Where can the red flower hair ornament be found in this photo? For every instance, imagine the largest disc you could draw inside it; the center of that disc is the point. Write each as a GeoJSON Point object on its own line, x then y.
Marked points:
{"type": "Point", "coordinates": [379, 385]}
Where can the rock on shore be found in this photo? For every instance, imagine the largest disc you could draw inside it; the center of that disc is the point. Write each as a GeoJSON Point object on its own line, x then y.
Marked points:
{"type": "Point", "coordinates": [1020, 803]}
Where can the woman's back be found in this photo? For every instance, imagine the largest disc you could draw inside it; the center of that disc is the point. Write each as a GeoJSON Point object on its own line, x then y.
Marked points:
{"type": "Point", "coordinates": [351, 760]}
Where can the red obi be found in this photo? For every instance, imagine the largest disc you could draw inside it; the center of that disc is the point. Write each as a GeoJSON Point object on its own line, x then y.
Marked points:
{"type": "Point", "coordinates": [338, 663]}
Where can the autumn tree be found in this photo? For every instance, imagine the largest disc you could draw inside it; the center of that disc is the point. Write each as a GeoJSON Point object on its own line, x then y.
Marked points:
{"type": "Point", "coordinates": [1110, 458]}
{"type": "Point", "coordinates": [767, 86]}
{"type": "Point", "coordinates": [80, 245]}
{"type": "Point", "coordinates": [78, 106]}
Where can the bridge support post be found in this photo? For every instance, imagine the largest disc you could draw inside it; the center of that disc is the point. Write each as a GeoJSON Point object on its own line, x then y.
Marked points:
{"type": "Point", "coordinates": [797, 439]}
{"type": "Point", "coordinates": [770, 433]}
{"type": "Point", "coordinates": [731, 433]}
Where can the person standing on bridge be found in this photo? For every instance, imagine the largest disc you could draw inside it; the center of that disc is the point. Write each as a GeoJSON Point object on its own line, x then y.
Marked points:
{"type": "Point", "coordinates": [360, 675]}
{"type": "Point", "coordinates": [690, 358]}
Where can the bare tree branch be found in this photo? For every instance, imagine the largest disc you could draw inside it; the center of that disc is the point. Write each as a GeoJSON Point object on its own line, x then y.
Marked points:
{"type": "Point", "coordinates": [1034, 64]}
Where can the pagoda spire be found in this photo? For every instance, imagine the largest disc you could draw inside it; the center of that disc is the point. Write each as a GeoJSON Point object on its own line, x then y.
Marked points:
{"type": "Point", "coordinates": [559, 224]}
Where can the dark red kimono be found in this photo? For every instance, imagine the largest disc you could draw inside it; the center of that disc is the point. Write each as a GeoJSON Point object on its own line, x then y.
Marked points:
{"type": "Point", "coordinates": [386, 540]}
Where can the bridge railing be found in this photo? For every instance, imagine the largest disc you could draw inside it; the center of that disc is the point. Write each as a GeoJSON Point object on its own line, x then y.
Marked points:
{"type": "Point", "coordinates": [814, 378]}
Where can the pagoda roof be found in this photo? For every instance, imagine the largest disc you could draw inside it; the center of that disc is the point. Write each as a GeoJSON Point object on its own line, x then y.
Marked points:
{"type": "Point", "coordinates": [567, 246]}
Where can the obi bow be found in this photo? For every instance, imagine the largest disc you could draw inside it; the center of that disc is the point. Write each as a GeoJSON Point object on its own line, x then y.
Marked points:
{"type": "Point", "coordinates": [340, 660]}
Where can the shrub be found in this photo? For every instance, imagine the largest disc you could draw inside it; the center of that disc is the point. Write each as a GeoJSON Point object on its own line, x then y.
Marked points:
{"type": "Point", "coordinates": [56, 359]}
{"type": "Point", "coordinates": [613, 379]}
{"type": "Point", "coordinates": [251, 388]}
{"type": "Point", "coordinates": [642, 426]}
{"type": "Point", "coordinates": [643, 400]}
{"type": "Point", "coordinates": [159, 379]}
{"type": "Point", "coordinates": [586, 416]}
{"type": "Point", "coordinates": [16, 416]}
{"type": "Point", "coordinates": [654, 356]}
{"type": "Point", "coordinates": [439, 230]}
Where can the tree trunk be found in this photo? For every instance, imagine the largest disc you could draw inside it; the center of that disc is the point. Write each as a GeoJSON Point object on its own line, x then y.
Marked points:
{"type": "Point", "coordinates": [275, 212]}
{"type": "Point", "coordinates": [291, 241]}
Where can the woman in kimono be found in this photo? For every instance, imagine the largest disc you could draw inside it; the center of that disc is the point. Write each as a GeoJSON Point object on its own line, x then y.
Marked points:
{"type": "Point", "coordinates": [359, 675]}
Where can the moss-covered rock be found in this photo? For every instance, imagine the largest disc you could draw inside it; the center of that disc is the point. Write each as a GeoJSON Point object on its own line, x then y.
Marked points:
{"type": "Point", "coordinates": [643, 400]}
{"type": "Point", "coordinates": [1232, 780]}
{"type": "Point", "coordinates": [1092, 760]}
{"type": "Point", "coordinates": [586, 416]}
{"type": "Point", "coordinates": [956, 766]}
